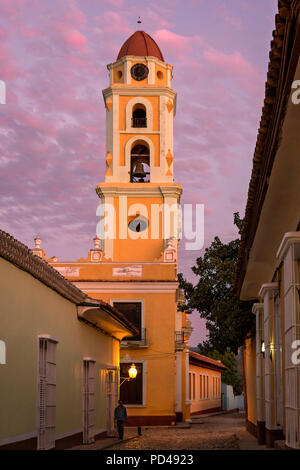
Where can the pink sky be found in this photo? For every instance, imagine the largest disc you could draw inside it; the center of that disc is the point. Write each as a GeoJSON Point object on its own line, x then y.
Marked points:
{"type": "Point", "coordinates": [53, 56]}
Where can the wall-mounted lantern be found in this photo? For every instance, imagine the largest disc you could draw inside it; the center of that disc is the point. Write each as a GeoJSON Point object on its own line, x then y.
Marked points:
{"type": "Point", "coordinates": [132, 372]}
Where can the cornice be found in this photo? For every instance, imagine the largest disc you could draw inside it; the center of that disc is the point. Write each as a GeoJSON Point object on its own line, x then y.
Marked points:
{"type": "Point", "coordinates": [139, 191]}
{"type": "Point", "coordinates": [131, 90]}
{"type": "Point", "coordinates": [271, 288]}
{"type": "Point", "coordinates": [145, 58]}
{"type": "Point", "coordinates": [284, 55]}
{"type": "Point", "coordinates": [257, 307]}
{"type": "Point", "coordinates": [289, 238]}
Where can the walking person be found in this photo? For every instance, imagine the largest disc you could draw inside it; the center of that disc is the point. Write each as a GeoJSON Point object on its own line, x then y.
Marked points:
{"type": "Point", "coordinates": [120, 418]}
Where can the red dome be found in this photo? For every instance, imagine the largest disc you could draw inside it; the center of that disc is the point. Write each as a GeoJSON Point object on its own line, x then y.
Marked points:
{"type": "Point", "coordinates": [140, 44]}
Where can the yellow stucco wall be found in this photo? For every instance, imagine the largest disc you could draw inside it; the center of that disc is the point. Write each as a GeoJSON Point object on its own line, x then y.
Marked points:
{"type": "Point", "coordinates": [153, 100]}
{"type": "Point", "coordinates": [124, 138]}
{"type": "Point", "coordinates": [159, 355]}
{"type": "Point", "coordinates": [29, 308]}
{"type": "Point", "coordinates": [198, 404]}
{"type": "Point", "coordinates": [135, 247]}
{"type": "Point", "coordinates": [251, 379]}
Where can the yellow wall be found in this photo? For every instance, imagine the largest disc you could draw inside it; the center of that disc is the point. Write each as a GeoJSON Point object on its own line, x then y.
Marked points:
{"type": "Point", "coordinates": [29, 308]}
{"type": "Point", "coordinates": [160, 80]}
{"type": "Point", "coordinates": [118, 74]}
{"type": "Point", "coordinates": [124, 138]}
{"type": "Point", "coordinates": [146, 250]}
{"type": "Point", "coordinates": [198, 404]}
{"type": "Point", "coordinates": [123, 100]}
{"type": "Point", "coordinates": [160, 355]}
{"type": "Point", "coordinates": [251, 379]}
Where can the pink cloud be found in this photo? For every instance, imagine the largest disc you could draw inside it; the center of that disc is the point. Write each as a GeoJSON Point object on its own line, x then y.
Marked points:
{"type": "Point", "coordinates": [234, 62]}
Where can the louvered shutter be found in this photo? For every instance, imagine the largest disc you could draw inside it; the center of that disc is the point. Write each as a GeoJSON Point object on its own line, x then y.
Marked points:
{"type": "Point", "coordinates": [47, 393]}
{"type": "Point", "coordinates": [109, 403]}
{"type": "Point", "coordinates": [88, 401]}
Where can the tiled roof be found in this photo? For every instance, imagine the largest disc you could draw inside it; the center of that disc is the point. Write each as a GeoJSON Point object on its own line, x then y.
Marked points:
{"type": "Point", "coordinates": [206, 360]}
{"type": "Point", "coordinates": [21, 256]}
{"type": "Point", "coordinates": [140, 44]}
{"type": "Point", "coordinates": [284, 54]}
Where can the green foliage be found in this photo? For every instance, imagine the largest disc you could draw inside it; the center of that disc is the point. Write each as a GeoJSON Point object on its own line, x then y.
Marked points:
{"type": "Point", "coordinates": [228, 359]}
{"type": "Point", "coordinates": [228, 320]}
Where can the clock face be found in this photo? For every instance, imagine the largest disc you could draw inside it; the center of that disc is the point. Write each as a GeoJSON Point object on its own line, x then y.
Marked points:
{"type": "Point", "coordinates": [139, 72]}
{"type": "Point", "coordinates": [138, 224]}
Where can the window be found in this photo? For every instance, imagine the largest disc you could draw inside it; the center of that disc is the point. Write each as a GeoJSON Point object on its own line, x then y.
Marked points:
{"type": "Point", "coordinates": [46, 392]}
{"type": "Point", "coordinates": [216, 387]}
{"type": "Point", "coordinates": [139, 116]}
{"type": "Point", "coordinates": [132, 311]}
{"type": "Point", "coordinates": [192, 386]}
{"type": "Point", "coordinates": [88, 400]}
{"type": "Point", "coordinates": [131, 392]}
{"type": "Point", "coordinates": [139, 223]}
{"type": "Point", "coordinates": [204, 386]}
{"type": "Point", "coordinates": [140, 163]}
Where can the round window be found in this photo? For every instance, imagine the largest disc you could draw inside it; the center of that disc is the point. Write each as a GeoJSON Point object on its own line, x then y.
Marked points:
{"type": "Point", "coordinates": [139, 224]}
{"type": "Point", "coordinates": [139, 72]}
{"type": "Point", "coordinates": [160, 75]}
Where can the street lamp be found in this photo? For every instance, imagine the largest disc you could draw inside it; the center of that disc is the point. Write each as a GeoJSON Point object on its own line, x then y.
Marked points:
{"type": "Point", "coordinates": [132, 372]}
{"type": "Point", "coordinates": [263, 348]}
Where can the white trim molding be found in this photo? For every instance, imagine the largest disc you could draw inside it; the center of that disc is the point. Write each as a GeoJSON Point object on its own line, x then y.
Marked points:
{"type": "Point", "coordinates": [136, 287]}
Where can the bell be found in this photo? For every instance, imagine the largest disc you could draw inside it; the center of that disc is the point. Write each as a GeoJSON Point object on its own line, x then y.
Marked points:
{"type": "Point", "coordinates": [139, 170]}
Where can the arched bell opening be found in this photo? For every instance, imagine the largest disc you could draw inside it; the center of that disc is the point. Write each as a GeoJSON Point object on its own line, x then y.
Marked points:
{"type": "Point", "coordinates": [139, 115]}
{"type": "Point", "coordinates": [140, 163]}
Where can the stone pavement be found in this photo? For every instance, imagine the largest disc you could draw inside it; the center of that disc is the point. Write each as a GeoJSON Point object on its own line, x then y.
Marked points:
{"type": "Point", "coordinates": [220, 431]}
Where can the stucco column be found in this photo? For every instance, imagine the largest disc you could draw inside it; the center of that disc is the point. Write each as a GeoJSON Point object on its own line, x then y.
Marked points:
{"type": "Point", "coordinates": [178, 385]}
{"type": "Point", "coordinates": [267, 293]}
{"type": "Point", "coordinates": [289, 254]}
{"type": "Point", "coordinates": [187, 365]}
{"type": "Point", "coordinates": [258, 311]}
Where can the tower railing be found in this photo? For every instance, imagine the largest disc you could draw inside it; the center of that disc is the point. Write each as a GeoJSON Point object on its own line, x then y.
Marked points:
{"type": "Point", "coordinates": [139, 122]}
{"type": "Point", "coordinates": [179, 340]}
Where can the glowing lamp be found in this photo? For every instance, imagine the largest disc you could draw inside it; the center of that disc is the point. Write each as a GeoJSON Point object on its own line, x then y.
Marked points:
{"type": "Point", "coordinates": [132, 371]}
{"type": "Point", "coordinates": [263, 347]}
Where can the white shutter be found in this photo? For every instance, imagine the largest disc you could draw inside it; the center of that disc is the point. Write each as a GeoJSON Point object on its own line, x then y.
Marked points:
{"type": "Point", "coordinates": [109, 403]}
{"type": "Point", "coordinates": [291, 333]}
{"type": "Point", "coordinates": [88, 400]}
{"type": "Point", "coordinates": [47, 393]}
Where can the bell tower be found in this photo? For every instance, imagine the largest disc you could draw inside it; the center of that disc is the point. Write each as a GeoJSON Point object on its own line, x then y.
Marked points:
{"type": "Point", "coordinates": [140, 107]}
{"type": "Point", "coordinates": [133, 264]}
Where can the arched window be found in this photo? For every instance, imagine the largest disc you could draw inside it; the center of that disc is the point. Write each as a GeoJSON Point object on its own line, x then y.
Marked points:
{"type": "Point", "coordinates": [140, 163]}
{"type": "Point", "coordinates": [139, 116]}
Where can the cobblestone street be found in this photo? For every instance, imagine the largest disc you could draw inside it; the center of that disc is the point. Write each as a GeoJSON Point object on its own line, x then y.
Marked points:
{"type": "Point", "coordinates": [222, 431]}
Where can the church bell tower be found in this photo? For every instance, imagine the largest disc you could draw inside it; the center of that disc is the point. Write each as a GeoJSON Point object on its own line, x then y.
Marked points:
{"type": "Point", "coordinates": [139, 196]}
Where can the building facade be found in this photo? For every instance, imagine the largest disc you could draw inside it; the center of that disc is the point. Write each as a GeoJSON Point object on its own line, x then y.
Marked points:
{"type": "Point", "coordinates": [204, 383]}
{"type": "Point", "coordinates": [59, 370]}
{"type": "Point", "coordinates": [268, 266]}
{"type": "Point", "coordinates": [133, 264]}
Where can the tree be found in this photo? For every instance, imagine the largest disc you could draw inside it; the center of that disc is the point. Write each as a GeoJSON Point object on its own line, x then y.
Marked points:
{"type": "Point", "coordinates": [229, 321]}
{"type": "Point", "coordinates": [228, 359]}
